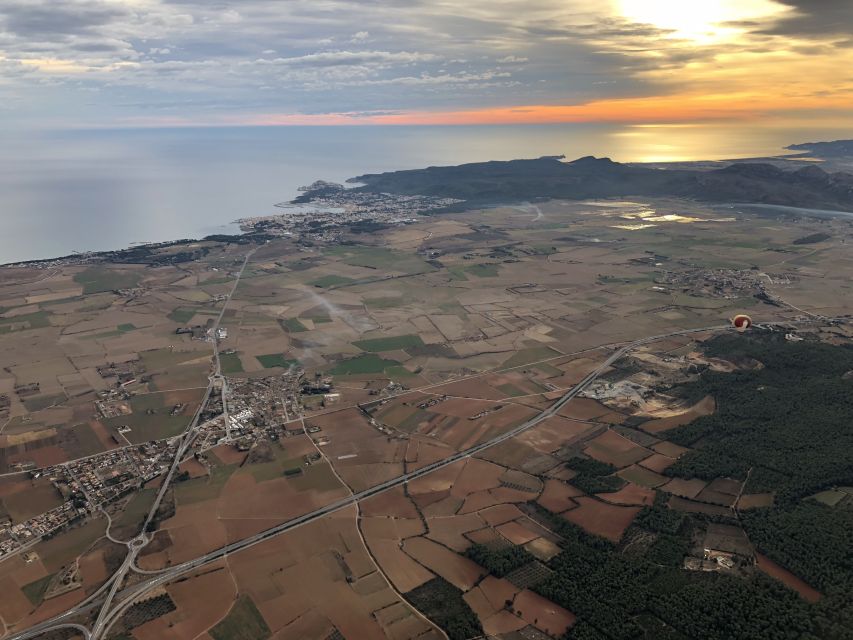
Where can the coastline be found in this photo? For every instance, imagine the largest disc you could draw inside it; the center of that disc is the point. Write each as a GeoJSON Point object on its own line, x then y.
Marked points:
{"type": "Point", "coordinates": [364, 210]}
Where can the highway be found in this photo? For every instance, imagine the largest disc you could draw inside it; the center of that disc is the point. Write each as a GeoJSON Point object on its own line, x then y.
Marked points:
{"type": "Point", "coordinates": [109, 614]}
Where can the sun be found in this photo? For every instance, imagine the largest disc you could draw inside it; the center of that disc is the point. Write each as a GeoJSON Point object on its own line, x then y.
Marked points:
{"type": "Point", "coordinates": [702, 22]}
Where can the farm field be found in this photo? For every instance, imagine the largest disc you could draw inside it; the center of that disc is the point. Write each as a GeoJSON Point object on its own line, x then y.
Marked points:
{"type": "Point", "coordinates": [348, 364]}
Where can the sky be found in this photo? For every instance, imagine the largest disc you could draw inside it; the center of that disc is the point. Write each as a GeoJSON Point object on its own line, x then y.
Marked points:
{"type": "Point", "coordinates": [128, 63]}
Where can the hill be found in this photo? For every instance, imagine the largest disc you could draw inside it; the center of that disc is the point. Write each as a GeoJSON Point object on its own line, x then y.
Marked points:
{"type": "Point", "coordinates": [589, 177]}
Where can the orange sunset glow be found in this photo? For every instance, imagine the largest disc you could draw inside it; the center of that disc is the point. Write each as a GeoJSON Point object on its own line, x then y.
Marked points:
{"type": "Point", "coordinates": [132, 63]}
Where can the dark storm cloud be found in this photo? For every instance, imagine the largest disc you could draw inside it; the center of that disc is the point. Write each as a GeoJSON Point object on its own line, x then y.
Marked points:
{"type": "Point", "coordinates": [814, 19]}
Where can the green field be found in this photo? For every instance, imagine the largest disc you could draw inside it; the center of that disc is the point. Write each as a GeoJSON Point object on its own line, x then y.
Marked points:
{"type": "Point", "coordinates": [533, 354]}
{"type": "Point", "coordinates": [63, 549]}
{"type": "Point", "coordinates": [330, 281]}
{"type": "Point", "coordinates": [275, 468]}
{"type": "Point", "coordinates": [391, 343]}
{"type": "Point", "coordinates": [157, 359]}
{"type": "Point", "coordinates": [380, 259]}
{"type": "Point", "coordinates": [483, 270]}
{"type": "Point", "coordinates": [384, 303]}
{"type": "Point", "coordinates": [317, 477]}
{"type": "Point", "coordinates": [84, 441]}
{"type": "Point", "coordinates": [367, 363]}
{"type": "Point", "coordinates": [272, 360]}
{"type": "Point", "coordinates": [129, 523]}
{"type": "Point", "coordinates": [293, 325]}
{"type": "Point", "coordinates": [181, 315]}
{"type": "Point", "coordinates": [35, 590]}
{"type": "Point", "coordinates": [510, 390]}
{"type": "Point", "coordinates": [37, 320]}
{"type": "Point", "coordinates": [230, 363]}
{"type": "Point", "coordinates": [37, 403]}
{"type": "Point", "coordinates": [128, 326]}
{"type": "Point", "coordinates": [204, 488]}
{"type": "Point", "coordinates": [243, 622]}
{"type": "Point", "coordinates": [98, 279]}
{"type": "Point", "coordinates": [457, 274]}
{"type": "Point", "coordinates": [151, 418]}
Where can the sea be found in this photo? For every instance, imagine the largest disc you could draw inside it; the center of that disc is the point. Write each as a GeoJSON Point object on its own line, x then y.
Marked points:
{"type": "Point", "coordinates": [63, 192]}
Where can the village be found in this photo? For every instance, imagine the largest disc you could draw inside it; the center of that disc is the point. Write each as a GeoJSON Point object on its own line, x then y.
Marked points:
{"type": "Point", "coordinates": [87, 486]}
{"type": "Point", "coordinates": [326, 210]}
{"type": "Point", "coordinates": [258, 411]}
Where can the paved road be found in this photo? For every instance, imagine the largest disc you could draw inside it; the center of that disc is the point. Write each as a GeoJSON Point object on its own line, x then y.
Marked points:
{"type": "Point", "coordinates": [178, 570]}
{"type": "Point", "coordinates": [136, 545]}
{"type": "Point", "coordinates": [124, 598]}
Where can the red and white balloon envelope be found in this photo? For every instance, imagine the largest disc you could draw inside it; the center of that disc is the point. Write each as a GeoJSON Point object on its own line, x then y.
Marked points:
{"type": "Point", "coordinates": [742, 322]}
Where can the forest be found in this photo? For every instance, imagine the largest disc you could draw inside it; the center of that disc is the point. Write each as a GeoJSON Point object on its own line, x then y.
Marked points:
{"type": "Point", "coordinates": [442, 603]}
{"type": "Point", "coordinates": [620, 597]}
{"type": "Point", "coordinates": [499, 562]}
{"type": "Point", "coordinates": [785, 423]}
{"type": "Point", "coordinates": [594, 476]}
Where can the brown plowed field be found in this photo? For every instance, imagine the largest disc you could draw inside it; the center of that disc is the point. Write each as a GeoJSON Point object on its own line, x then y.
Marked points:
{"type": "Point", "coordinates": [440, 480]}
{"type": "Point", "coordinates": [478, 501]}
{"type": "Point", "coordinates": [505, 494]}
{"type": "Point", "coordinates": [630, 494]}
{"type": "Point", "coordinates": [313, 563]}
{"type": "Point", "coordinates": [670, 449]}
{"type": "Point", "coordinates": [390, 503]}
{"type": "Point", "coordinates": [551, 434]}
{"type": "Point", "coordinates": [642, 476]}
{"type": "Point", "coordinates": [808, 593]}
{"type": "Point", "coordinates": [477, 475]}
{"type": "Point", "coordinates": [201, 602]}
{"type": "Point", "coordinates": [500, 513]}
{"type": "Point", "coordinates": [194, 467]}
{"type": "Point", "coordinates": [391, 528]}
{"type": "Point", "coordinates": [447, 506]}
{"type": "Point", "coordinates": [755, 500]}
{"type": "Point", "coordinates": [614, 449]}
{"type": "Point", "coordinates": [424, 500]}
{"type": "Point", "coordinates": [516, 533]}
{"type": "Point", "coordinates": [704, 407]}
{"type": "Point", "coordinates": [403, 572]}
{"type": "Point", "coordinates": [484, 536]}
{"type": "Point", "coordinates": [543, 549]}
{"type": "Point", "coordinates": [543, 614]}
{"type": "Point", "coordinates": [449, 531]}
{"type": "Point", "coordinates": [459, 571]}
{"type": "Point", "coordinates": [601, 519]}
{"type": "Point", "coordinates": [462, 407]}
{"type": "Point", "coordinates": [557, 496]}
{"type": "Point", "coordinates": [429, 452]}
{"type": "Point", "coordinates": [684, 488]}
{"type": "Point", "coordinates": [657, 462]}
{"type": "Point", "coordinates": [689, 506]}
{"type": "Point", "coordinates": [584, 409]}
{"type": "Point", "coordinates": [474, 388]}
{"type": "Point", "coordinates": [498, 591]}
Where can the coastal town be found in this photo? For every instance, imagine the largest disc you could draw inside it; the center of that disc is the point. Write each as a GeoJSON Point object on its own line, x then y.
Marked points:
{"type": "Point", "coordinates": [326, 210]}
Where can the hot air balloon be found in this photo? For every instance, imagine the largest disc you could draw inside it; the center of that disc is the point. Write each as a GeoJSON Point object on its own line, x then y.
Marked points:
{"type": "Point", "coordinates": [742, 322]}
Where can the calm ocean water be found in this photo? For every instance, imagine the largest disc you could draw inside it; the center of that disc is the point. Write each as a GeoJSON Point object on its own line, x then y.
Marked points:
{"type": "Point", "coordinates": [97, 190]}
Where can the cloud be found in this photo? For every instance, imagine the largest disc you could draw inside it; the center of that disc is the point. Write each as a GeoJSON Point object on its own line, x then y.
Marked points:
{"type": "Point", "coordinates": [96, 61]}
{"type": "Point", "coordinates": [814, 19]}
{"type": "Point", "coordinates": [34, 19]}
{"type": "Point", "coordinates": [352, 58]}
